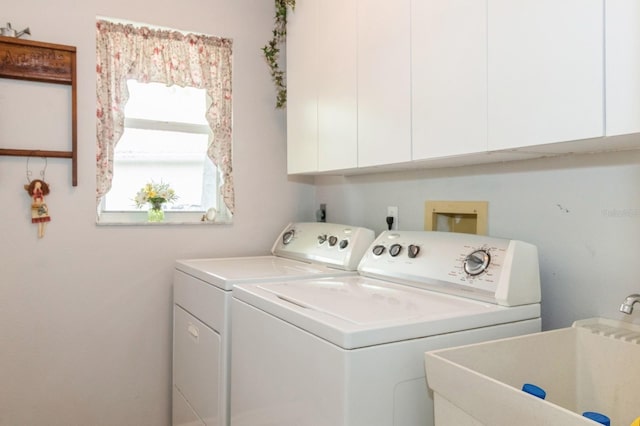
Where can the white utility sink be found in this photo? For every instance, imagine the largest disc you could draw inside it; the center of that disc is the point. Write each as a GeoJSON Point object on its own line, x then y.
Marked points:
{"type": "Point", "coordinates": [592, 366]}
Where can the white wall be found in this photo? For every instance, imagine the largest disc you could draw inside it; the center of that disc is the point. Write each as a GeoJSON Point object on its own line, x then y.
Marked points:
{"type": "Point", "coordinates": [85, 313]}
{"type": "Point", "coordinates": [583, 213]}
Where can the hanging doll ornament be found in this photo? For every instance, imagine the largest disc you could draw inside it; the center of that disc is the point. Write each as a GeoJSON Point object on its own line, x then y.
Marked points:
{"type": "Point", "coordinates": [37, 189]}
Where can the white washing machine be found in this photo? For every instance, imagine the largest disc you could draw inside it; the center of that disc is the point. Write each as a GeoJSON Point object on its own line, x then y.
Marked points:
{"type": "Point", "coordinates": [349, 351]}
{"type": "Point", "coordinates": [202, 302]}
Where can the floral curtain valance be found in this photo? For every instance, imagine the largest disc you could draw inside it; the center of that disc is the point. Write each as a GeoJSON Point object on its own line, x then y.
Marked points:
{"type": "Point", "coordinates": [126, 52]}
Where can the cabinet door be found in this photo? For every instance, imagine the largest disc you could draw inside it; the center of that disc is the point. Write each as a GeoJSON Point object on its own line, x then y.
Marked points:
{"type": "Point", "coordinates": [449, 77]}
{"type": "Point", "coordinates": [545, 71]}
{"type": "Point", "coordinates": [384, 86]}
{"type": "Point", "coordinates": [337, 85]}
{"type": "Point", "coordinates": [622, 57]}
{"type": "Point", "coordinates": [302, 102]}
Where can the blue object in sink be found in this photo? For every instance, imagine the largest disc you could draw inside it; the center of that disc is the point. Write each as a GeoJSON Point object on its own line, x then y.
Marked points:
{"type": "Point", "coordinates": [597, 417]}
{"type": "Point", "coordinates": [534, 390]}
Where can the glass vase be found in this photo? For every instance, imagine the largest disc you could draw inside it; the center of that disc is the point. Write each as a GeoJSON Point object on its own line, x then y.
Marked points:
{"type": "Point", "coordinates": [155, 213]}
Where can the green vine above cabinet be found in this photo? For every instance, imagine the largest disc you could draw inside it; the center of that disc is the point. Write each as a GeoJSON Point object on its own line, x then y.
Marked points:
{"type": "Point", "coordinates": [272, 50]}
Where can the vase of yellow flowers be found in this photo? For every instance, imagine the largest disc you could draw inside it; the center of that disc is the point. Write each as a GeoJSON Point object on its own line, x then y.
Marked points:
{"type": "Point", "coordinates": [156, 195]}
{"type": "Point", "coordinates": [155, 213]}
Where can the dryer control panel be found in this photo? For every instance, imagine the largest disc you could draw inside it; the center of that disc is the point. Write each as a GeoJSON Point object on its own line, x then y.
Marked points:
{"type": "Point", "coordinates": [495, 270]}
{"type": "Point", "coordinates": [335, 245]}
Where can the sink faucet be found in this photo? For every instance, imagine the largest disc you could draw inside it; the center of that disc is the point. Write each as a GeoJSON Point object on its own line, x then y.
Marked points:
{"type": "Point", "coordinates": [627, 305]}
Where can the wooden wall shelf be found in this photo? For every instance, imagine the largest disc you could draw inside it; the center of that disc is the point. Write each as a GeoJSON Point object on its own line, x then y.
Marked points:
{"type": "Point", "coordinates": [46, 63]}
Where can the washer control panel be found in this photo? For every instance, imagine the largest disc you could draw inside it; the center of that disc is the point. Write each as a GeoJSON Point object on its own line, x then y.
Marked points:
{"type": "Point", "coordinates": [340, 246]}
{"type": "Point", "coordinates": [491, 269]}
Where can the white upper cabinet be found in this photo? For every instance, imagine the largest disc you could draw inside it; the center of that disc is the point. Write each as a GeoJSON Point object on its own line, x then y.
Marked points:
{"type": "Point", "coordinates": [376, 84]}
{"type": "Point", "coordinates": [322, 132]}
{"type": "Point", "coordinates": [545, 71]}
{"type": "Point", "coordinates": [337, 85]}
{"type": "Point", "coordinates": [449, 77]}
{"type": "Point", "coordinates": [622, 56]}
{"type": "Point", "coordinates": [384, 82]}
{"type": "Point", "coordinates": [302, 101]}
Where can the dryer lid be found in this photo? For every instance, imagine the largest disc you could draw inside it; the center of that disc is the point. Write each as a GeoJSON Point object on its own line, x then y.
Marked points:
{"type": "Point", "coordinates": [227, 272]}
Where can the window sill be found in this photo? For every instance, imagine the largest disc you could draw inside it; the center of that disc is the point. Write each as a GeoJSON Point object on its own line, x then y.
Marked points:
{"type": "Point", "coordinates": [170, 219]}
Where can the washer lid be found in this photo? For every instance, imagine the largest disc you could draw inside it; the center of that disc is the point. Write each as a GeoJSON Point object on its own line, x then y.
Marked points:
{"type": "Point", "coordinates": [367, 303]}
{"type": "Point", "coordinates": [227, 272]}
{"type": "Point", "coordinates": [357, 311]}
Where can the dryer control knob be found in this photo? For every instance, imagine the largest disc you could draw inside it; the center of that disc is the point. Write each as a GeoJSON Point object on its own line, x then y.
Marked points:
{"type": "Point", "coordinates": [322, 238]}
{"type": "Point", "coordinates": [413, 251]}
{"type": "Point", "coordinates": [344, 244]}
{"type": "Point", "coordinates": [288, 236]}
{"type": "Point", "coordinates": [333, 240]}
{"type": "Point", "coordinates": [477, 262]}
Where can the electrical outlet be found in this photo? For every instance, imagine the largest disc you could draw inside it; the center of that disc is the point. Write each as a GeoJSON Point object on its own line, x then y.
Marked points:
{"type": "Point", "coordinates": [321, 213]}
{"type": "Point", "coordinates": [393, 212]}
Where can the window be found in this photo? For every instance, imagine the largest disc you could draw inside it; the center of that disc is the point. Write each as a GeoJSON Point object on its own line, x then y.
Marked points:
{"type": "Point", "coordinates": [164, 116]}
{"type": "Point", "coordinates": [165, 140]}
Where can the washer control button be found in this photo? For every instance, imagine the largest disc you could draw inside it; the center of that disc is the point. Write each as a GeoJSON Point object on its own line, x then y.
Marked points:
{"type": "Point", "coordinates": [344, 244]}
{"type": "Point", "coordinates": [378, 250]}
{"type": "Point", "coordinates": [333, 240]}
{"type": "Point", "coordinates": [395, 250]}
{"type": "Point", "coordinates": [322, 238]}
{"type": "Point", "coordinates": [413, 251]}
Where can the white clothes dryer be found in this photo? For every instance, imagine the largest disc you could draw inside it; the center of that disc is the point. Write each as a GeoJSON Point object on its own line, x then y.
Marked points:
{"type": "Point", "coordinates": [349, 351]}
{"type": "Point", "coordinates": [202, 303]}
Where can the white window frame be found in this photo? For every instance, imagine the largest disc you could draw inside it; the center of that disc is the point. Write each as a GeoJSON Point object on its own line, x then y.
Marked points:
{"type": "Point", "coordinates": [212, 47]}
{"type": "Point", "coordinates": [120, 217]}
